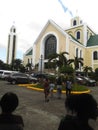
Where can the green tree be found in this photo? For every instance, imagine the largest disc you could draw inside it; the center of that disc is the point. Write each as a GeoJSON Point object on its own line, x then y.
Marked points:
{"type": "Point", "coordinates": [16, 65]}
{"type": "Point", "coordinates": [76, 61]}
{"type": "Point", "coordinates": [87, 69]}
{"type": "Point", "coordinates": [1, 64]}
{"type": "Point", "coordinates": [67, 70]}
{"type": "Point", "coordinates": [29, 67]}
{"type": "Point", "coordinates": [59, 59]}
{"type": "Point", "coordinates": [96, 74]}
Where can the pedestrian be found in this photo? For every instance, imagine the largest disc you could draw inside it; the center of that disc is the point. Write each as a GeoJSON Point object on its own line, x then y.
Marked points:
{"type": "Point", "coordinates": [59, 87]}
{"type": "Point", "coordinates": [81, 108]}
{"type": "Point", "coordinates": [46, 89]}
{"type": "Point", "coordinates": [68, 87]}
{"type": "Point", "coordinates": [9, 121]}
{"type": "Point", "coordinates": [51, 87]}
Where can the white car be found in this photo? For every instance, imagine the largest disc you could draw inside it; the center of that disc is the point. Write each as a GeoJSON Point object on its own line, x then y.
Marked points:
{"type": "Point", "coordinates": [5, 74]}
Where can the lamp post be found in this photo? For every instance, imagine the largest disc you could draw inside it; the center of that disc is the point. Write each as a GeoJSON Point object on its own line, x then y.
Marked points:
{"type": "Point", "coordinates": [41, 64]}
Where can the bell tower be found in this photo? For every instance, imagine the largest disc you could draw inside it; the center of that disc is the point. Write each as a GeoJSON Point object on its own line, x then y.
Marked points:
{"type": "Point", "coordinates": [11, 49]}
{"type": "Point", "coordinates": [76, 21]}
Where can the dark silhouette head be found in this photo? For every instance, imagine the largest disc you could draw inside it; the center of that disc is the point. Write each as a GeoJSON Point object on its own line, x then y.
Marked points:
{"type": "Point", "coordinates": [9, 102]}
{"type": "Point", "coordinates": [84, 105]}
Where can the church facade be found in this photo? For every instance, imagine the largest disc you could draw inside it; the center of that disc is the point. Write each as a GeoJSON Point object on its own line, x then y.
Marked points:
{"type": "Point", "coordinates": [79, 41]}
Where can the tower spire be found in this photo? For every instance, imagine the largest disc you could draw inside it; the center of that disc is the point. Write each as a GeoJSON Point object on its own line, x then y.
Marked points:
{"type": "Point", "coordinates": [11, 49]}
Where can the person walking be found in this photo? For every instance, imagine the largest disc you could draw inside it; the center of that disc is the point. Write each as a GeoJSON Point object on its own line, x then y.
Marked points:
{"type": "Point", "coordinates": [59, 87]}
{"type": "Point", "coordinates": [46, 89]}
{"type": "Point", "coordinates": [68, 87]}
{"type": "Point", "coordinates": [51, 87]}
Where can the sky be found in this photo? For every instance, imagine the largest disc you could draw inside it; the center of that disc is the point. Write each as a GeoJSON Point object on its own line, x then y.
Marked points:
{"type": "Point", "coordinates": [30, 16]}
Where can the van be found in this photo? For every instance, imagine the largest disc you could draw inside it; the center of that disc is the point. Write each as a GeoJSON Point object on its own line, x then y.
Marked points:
{"type": "Point", "coordinates": [4, 74]}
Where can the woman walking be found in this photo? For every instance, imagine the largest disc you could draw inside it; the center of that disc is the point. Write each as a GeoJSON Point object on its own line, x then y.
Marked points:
{"type": "Point", "coordinates": [46, 89]}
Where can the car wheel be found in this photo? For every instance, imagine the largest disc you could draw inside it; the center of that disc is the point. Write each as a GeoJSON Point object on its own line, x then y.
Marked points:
{"type": "Point", "coordinates": [13, 82]}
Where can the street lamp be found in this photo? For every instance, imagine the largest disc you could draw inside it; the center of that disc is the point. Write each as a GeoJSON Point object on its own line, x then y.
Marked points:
{"type": "Point", "coordinates": [41, 64]}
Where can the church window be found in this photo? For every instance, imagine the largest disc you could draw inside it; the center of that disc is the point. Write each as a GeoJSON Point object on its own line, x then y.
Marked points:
{"type": "Point", "coordinates": [74, 22]}
{"type": "Point", "coordinates": [50, 46]}
{"type": "Point", "coordinates": [28, 60]}
{"type": "Point", "coordinates": [78, 35]}
{"type": "Point", "coordinates": [80, 21]}
{"type": "Point", "coordinates": [76, 52]}
{"type": "Point", "coordinates": [80, 53]}
{"type": "Point", "coordinates": [31, 60]}
{"type": "Point", "coordinates": [95, 55]}
{"type": "Point", "coordinates": [14, 30]}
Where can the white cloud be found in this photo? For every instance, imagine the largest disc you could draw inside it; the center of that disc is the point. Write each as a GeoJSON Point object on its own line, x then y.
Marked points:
{"type": "Point", "coordinates": [30, 16]}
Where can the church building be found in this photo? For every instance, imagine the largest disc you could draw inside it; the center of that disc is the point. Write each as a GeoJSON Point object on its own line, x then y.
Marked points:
{"type": "Point", "coordinates": [79, 40]}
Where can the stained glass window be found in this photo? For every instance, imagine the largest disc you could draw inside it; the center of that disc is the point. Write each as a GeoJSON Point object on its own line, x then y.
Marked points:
{"type": "Point", "coordinates": [50, 46]}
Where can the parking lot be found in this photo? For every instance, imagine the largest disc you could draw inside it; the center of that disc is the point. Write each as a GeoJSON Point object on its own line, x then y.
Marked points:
{"type": "Point", "coordinates": [37, 114]}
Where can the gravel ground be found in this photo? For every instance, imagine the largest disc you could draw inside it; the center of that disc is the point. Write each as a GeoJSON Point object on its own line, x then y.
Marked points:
{"type": "Point", "coordinates": [37, 114]}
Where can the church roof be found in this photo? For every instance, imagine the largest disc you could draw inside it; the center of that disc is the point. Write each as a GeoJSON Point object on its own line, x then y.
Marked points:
{"type": "Point", "coordinates": [55, 25]}
{"type": "Point", "coordinates": [93, 41]}
{"type": "Point", "coordinates": [29, 53]}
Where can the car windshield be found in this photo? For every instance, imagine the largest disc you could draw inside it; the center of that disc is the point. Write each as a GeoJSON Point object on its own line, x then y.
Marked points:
{"type": "Point", "coordinates": [87, 78]}
{"type": "Point", "coordinates": [7, 73]}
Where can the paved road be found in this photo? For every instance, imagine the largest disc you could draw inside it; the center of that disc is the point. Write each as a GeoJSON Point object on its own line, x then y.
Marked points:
{"type": "Point", "coordinates": [37, 114]}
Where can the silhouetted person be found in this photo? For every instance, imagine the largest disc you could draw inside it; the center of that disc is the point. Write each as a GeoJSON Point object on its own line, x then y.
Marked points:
{"type": "Point", "coordinates": [68, 87]}
{"type": "Point", "coordinates": [9, 121]}
{"type": "Point", "coordinates": [82, 107]}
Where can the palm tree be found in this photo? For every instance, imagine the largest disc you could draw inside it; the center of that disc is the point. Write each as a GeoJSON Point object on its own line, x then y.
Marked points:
{"type": "Point", "coordinates": [59, 59]}
{"type": "Point", "coordinates": [76, 61]}
{"type": "Point", "coordinates": [86, 69]}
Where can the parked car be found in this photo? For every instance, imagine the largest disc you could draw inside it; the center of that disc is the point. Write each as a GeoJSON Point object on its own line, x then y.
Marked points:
{"type": "Point", "coordinates": [80, 80]}
{"type": "Point", "coordinates": [4, 74]}
{"type": "Point", "coordinates": [39, 75]}
{"type": "Point", "coordinates": [88, 81]}
{"type": "Point", "coordinates": [16, 78]}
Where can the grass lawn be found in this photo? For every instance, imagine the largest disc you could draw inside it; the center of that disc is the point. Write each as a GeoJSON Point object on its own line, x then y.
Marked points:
{"type": "Point", "coordinates": [75, 87]}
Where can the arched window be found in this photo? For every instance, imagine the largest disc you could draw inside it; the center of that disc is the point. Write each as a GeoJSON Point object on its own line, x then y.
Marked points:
{"type": "Point", "coordinates": [80, 53]}
{"type": "Point", "coordinates": [28, 60]}
{"type": "Point", "coordinates": [78, 35]}
{"type": "Point", "coordinates": [76, 52]}
{"type": "Point", "coordinates": [95, 55]}
{"type": "Point", "coordinates": [50, 46]}
{"type": "Point", "coordinates": [31, 60]}
{"type": "Point", "coordinates": [74, 22]}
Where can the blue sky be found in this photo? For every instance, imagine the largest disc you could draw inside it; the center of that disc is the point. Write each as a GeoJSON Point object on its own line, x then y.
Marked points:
{"type": "Point", "coordinates": [3, 53]}
{"type": "Point", "coordinates": [30, 16]}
